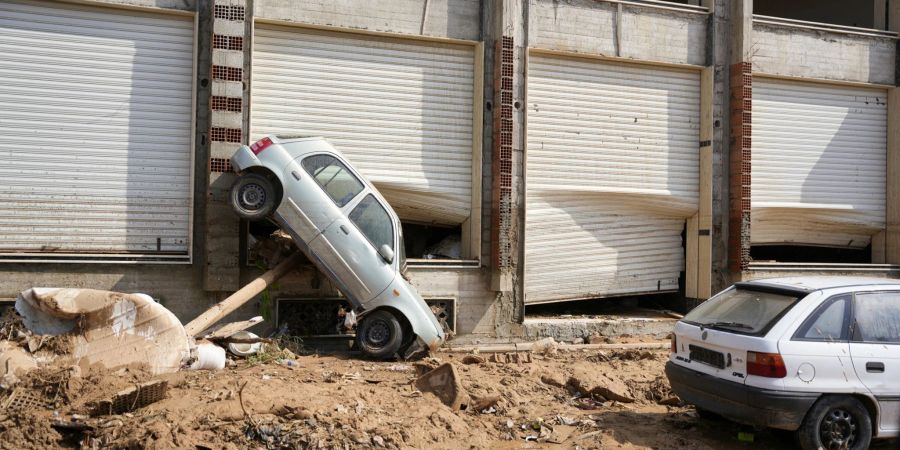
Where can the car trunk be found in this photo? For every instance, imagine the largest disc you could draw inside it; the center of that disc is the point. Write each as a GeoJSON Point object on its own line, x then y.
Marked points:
{"type": "Point", "coordinates": [716, 336]}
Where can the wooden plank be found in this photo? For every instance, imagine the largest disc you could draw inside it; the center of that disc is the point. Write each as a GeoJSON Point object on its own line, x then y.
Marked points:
{"type": "Point", "coordinates": [878, 256]}
{"type": "Point", "coordinates": [705, 213]}
{"type": "Point", "coordinates": [691, 258]}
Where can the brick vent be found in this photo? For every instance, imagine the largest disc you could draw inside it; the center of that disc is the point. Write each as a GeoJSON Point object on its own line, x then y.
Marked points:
{"type": "Point", "coordinates": [228, 42]}
{"type": "Point", "coordinates": [501, 210]}
{"type": "Point", "coordinates": [227, 73]}
{"type": "Point", "coordinates": [217, 134]}
{"type": "Point", "coordinates": [739, 167]}
{"type": "Point", "coordinates": [220, 165]}
{"type": "Point", "coordinates": [228, 12]}
{"type": "Point", "coordinates": [232, 104]}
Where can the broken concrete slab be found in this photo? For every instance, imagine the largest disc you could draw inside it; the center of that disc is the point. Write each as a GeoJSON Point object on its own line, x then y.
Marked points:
{"type": "Point", "coordinates": [443, 382]}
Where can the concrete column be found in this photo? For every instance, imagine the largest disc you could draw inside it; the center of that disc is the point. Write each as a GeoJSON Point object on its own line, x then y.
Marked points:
{"type": "Point", "coordinates": [506, 35]}
{"type": "Point", "coordinates": [231, 20]}
{"type": "Point", "coordinates": [740, 106]}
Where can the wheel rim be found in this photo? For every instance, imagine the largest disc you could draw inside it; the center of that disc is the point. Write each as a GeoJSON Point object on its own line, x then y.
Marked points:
{"type": "Point", "coordinates": [838, 429]}
{"type": "Point", "coordinates": [378, 333]}
{"type": "Point", "coordinates": [252, 196]}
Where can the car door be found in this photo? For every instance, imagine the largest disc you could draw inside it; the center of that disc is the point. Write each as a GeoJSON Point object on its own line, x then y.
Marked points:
{"type": "Point", "coordinates": [875, 349]}
{"type": "Point", "coordinates": [316, 188]}
{"type": "Point", "coordinates": [350, 246]}
{"type": "Point", "coordinates": [819, 350]}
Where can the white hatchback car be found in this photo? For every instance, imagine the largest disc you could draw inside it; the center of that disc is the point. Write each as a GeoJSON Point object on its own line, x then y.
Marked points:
{"type": "Point", "coordinates": [815, 355]}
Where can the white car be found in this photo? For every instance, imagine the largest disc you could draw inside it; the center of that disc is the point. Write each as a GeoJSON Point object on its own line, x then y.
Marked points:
{"type": "Point", "coordinates": [815, 355]}
{"type": "Point", "coordinates": [346, 228]}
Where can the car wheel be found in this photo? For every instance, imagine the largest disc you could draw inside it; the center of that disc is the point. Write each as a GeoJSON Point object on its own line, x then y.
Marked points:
{"type": "Point", "coordinates": [253, 197]}
{"type": "Point", "coordinates": [836, 422]}
{"type": "Point", "coordinates": [379, 335]}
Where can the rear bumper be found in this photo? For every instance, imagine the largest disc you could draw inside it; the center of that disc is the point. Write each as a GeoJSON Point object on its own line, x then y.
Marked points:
{"type": "Point", "coordinates": [738, 402]}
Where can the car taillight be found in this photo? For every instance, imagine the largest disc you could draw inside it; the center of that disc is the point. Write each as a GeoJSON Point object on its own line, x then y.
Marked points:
{"type": "Point", "coordinates": [769, 365]}
{"type": "Point", "coordinates": [674, 344]}
{"type": "Point", "coordinates": [260, 145]}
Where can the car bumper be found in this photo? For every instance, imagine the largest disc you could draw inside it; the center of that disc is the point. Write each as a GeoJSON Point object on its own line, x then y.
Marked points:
{"type": "Point", "coordinates": [244, 158]}
{"type": "Point", "coordinates": [739, 402]}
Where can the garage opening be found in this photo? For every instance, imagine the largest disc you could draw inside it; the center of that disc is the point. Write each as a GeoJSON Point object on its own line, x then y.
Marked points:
{"type": "Point", "coordinates": [810, 254]}
{"type": "Point", "coordinates": [428, 243]}
{"type": "Point", "coordinates": [860, 14]}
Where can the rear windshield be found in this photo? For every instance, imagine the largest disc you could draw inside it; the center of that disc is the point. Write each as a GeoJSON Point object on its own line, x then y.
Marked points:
{"type": "Point", "coordinates": [742, 310]}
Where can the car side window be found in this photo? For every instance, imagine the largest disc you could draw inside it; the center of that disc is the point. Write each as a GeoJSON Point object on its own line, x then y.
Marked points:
{"type": "Point", "coordinates": [877, 317]}
{"type": "Point", "coordinates": [334, 178]}
{"type": "Point", "coordinates": [374, 222]}
{"type": "Point", "coordinates": [828, 322]}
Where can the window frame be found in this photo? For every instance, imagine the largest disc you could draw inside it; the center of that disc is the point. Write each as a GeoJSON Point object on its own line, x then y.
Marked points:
{"type": "Point", "coordinates": [389, 217]}
{"type": "Point", "coordinates": [817, 313]}
{"type": "Point", "coordinates": [852, 336]}
{"type": "Point", "coordinates": [346, 168]}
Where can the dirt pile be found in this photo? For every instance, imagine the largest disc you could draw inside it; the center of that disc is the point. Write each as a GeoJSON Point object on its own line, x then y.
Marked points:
{"type": "Point", "coordinates": [280, 401]}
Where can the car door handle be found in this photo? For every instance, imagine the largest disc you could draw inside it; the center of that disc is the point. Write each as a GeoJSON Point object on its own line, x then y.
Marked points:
{"type": "Point", "coordinates": [295, 175]}
{"type": "Point", "coordinates": [875, 367]}
{"type": "Point", "coordinates": [344, 229]}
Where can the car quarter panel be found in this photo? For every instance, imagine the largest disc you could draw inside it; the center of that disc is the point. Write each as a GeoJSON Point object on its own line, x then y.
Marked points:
{"type": "Point", "coordinates": [814, 364]}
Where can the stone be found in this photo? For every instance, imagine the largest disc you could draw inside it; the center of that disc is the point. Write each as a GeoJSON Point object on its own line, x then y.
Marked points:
{"type": "Point", "coordinates": [444, 383]}
{"type": "Point", "coordinates": [593, 383]}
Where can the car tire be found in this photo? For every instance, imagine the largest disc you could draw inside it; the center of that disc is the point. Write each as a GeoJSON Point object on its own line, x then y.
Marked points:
{"type": "Point", "coordinates": [379, 335]}
{"type": "Point", "coordinates": [836, 422]}
{"type": "Point", "coordinates": [253, 197]}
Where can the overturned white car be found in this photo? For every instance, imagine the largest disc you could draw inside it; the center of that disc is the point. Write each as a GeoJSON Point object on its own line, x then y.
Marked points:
{"type": "Point", "coordinates": [346, 228]}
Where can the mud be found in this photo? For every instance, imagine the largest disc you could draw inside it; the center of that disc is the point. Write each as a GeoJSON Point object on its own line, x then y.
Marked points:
{"type": "Point", "coordinates": [281, 401]}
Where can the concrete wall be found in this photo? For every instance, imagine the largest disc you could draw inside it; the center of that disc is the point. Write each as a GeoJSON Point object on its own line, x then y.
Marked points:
{"type": "Point", "coordinates": [183, 5]}
{"type": "Point", "coordinates": [797, 52]}
{"type": "Point", "coordinates": [458, 19]}
{"type": "Point", "coordinates": [588, 26]}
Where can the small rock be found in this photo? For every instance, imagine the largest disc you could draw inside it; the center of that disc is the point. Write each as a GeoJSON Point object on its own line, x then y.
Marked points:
{"type": "Point", "coordinates": [595, 339]}
{"type": "Point", "coordinates": [546, 346]}
{"type": "Point", "coordinates": [578, 341]}
{"type": "Point", "coordinates": [360, 437]}
{"type": "Point", "coordinates": [472, 359]}
{"type": "Point", "coordinates": [377, 441]}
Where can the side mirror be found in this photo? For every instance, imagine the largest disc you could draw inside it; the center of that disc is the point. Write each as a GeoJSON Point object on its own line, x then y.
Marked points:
{"type": "Point", "coordinates": [386, 253]}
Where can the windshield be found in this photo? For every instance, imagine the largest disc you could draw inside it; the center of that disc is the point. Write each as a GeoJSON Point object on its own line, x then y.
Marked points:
{"type": "Point", "coordinates": [742, 310]}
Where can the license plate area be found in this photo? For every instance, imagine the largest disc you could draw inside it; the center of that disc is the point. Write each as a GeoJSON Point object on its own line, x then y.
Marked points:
{"type": "Point", "coordinates": [707, 356]}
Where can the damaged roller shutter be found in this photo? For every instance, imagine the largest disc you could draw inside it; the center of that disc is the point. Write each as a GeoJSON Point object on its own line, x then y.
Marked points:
{"type": "Point", "coordinates": [818, 164]}
{"type": "Point", "coordinates": [97, 125]}
{"type": "Point", "coordinates": [611, 176]}
{"type": "Point", "coordinates": [400, 109]}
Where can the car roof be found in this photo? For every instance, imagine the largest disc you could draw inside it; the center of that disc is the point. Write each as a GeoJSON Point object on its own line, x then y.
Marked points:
{"type": "Point", "coordinates": [817, 283]}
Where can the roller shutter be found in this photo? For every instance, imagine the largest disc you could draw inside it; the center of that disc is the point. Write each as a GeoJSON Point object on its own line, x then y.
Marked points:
{"type": "Point", "coordinates": [96, 125]}
{"type": "Point", "coordinates": [818, 163]}
{"type": "Point", "coordinates": [400, 109]}
{"type": "Point", "coordinates": [611, 175]}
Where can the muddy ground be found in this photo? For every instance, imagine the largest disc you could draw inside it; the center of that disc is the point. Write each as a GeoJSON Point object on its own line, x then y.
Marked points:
{"type": "Point", "coordinates": [280, 400]}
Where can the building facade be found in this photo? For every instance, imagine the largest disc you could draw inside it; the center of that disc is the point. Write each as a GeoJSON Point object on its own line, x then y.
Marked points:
{"type": "Point", "coordinates": [537, 151]}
